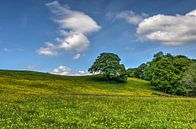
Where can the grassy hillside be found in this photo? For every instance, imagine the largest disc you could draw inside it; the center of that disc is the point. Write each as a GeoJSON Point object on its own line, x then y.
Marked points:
{"type": "Point", "coordinates": [39, 100]}
{"type": "Point", "coordinates": [21, 82]}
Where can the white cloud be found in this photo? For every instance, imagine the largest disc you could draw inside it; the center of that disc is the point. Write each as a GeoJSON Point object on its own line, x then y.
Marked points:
{"type": "Point", "coordinates": [74, 41]}
{"type": "Point", "coordinates": [64, 70]}
{"type": "Point", "coordinates": [77, 56]}
{"type": "Point", "coordinates": [74, 28]}
{"type": "Point", "coordinates": [49, 50]}
{"type": "Point", "coordinates": [73, 20]}
{"type": "Point", "coordinates": [169, 30]}
{"type": "Point", "coordinates": [192, 13]}
{"type": "Point", "coordinates": [78, 22]}
{"type": "Point", "coordinates": [131, 17]}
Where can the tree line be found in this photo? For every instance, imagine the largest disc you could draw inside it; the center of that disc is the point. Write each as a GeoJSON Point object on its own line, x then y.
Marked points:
{"type": "Point", "coordinates": [167, 73]}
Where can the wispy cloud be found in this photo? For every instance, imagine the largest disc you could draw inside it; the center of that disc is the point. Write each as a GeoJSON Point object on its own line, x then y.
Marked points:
{"type": "Point", "coordinates": [32, 67]}
{"type": "Point", "coordinates": [49, 50]}
{"type": "Point", "coordinates": [74, 27]}
{"type": "Point", "coordinates": [77, 56]}
{"type": "Point", "coordinates": [131, 17]}
{"type": "Point", "coordinates": [7, 50]}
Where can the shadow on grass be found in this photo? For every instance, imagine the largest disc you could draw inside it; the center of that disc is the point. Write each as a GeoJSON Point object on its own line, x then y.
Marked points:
{"type": "Point", "coordinates": [100, 78]}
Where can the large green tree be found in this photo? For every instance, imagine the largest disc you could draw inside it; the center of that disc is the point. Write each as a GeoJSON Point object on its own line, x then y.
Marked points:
{"type": "Point", "coordinates": [108, 65]}
{"type": "Point", "coordinates": [165, 73]}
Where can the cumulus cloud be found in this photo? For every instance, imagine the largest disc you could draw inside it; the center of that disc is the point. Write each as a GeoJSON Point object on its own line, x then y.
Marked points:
{"type": "Point", "coordinates": [131, 17]}
{"type": "Point", "coordinates": [169, 30]}
{"type": "Point", "coordinates": [64, 70]}
{"type": "Point", "coordinates": [74, 27]}
{"type": "Point", "coordinates": [74, 41]}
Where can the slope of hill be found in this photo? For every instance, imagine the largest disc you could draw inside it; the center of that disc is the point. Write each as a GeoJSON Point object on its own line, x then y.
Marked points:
{"type": "Point", "coordinates": [40, 100]}
{"type": "Point", "coordinates": [24, 82]}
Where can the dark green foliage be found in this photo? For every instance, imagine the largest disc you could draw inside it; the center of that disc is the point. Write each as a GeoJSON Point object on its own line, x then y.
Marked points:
{"type": "Point", "coordinates": [137, 72]}
{"type": "Point", "coordinates": [168, 73]}
{"type": "Point", "coordinates": [189, 80]}
{"type": "Point", "coordinates": [108, 64]}
{"type": "Point", "coordinates": [140, 70]}
{"type": "Point", "coordinates": [131, 72]}
{"type": "Point", "coordinates": [158, 56]}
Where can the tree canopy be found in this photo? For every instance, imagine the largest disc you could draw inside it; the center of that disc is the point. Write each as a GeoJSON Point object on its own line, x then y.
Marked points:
{"type": "Point", "coordinates": [108, 65]}
{"type": "Point", "coordinates": [168, 73]}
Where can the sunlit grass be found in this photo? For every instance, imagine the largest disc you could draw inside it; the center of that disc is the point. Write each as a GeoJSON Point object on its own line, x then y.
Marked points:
{"type": "Point", "coordinates": [38, 100]}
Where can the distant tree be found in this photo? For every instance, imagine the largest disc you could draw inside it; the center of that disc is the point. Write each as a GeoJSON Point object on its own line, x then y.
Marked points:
{"type": "Point", "coordinates": [131, 72]}
{"type": "Point", "coordinates": [158, 56]}
{"type": "Point", "coordinates": [139, 71]}
{"type": "Point", "coordinates": [147, 72]}
{"type": "Point", "coordinates": [108, 64]}
{"type": "Point", "coordinates": [189, 80]}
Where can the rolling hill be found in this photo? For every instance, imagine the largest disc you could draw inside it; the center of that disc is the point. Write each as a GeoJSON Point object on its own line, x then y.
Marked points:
{"type": "Point", "coordinates": [41, 100]}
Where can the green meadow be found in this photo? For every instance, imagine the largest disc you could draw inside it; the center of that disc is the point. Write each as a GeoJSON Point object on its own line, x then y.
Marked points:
{"type": "Point", "coordinates": [41, 100]}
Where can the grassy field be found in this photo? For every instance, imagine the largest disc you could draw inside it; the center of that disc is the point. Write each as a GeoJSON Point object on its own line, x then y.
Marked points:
{"type": "Point", "coordinates": [39, 100]}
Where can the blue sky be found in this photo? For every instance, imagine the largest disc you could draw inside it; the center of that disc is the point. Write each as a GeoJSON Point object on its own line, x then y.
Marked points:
{"type": "Point", "coordinates": [66, 36]}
